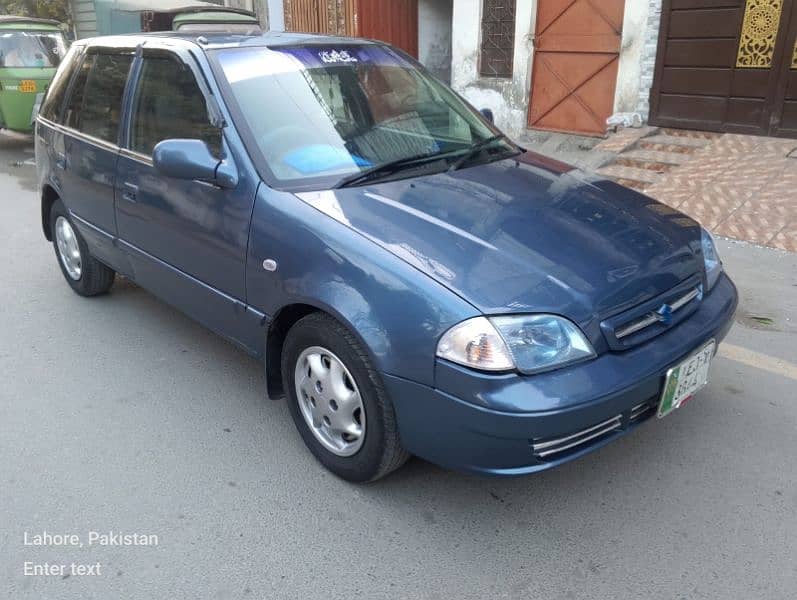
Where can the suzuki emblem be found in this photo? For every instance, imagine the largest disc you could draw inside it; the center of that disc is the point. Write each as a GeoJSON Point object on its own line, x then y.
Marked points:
{"type": "Point", "coordinates": [664, 314]}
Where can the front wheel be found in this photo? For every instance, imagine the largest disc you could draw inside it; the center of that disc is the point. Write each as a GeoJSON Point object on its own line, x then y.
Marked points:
{"type": "Point", "coordinates": [85, 274]}
{"type": "Point", "coordinates": [338, 402]}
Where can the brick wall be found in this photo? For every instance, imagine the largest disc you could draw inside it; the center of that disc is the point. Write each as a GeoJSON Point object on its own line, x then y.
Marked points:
{"type": "Point", "coordinates": [649, 56]}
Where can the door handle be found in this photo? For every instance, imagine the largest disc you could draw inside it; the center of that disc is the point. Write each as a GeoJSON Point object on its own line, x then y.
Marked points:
{"type": "Point", "coordinates": [60, 160]}
{"type": "Point", "coordinates": [130, 192]}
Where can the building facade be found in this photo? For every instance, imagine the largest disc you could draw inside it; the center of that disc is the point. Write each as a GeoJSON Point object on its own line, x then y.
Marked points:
{"type": "Point", "coordinates": [568, 65]}
{"type": "Point", "coordinates": [558, 65]}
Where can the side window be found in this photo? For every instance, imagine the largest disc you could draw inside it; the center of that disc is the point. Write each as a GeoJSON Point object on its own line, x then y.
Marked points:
{"type": "Point", "coordinates": [75, 103]}
{"type": "Point", "coordinates": [51, 107]}
{"type": "Point", "coordinates": [102, 102]}
{"type": "Point", "coordinates": [168, 105]}
{"type": "Point", "coordinates": [95, 106]}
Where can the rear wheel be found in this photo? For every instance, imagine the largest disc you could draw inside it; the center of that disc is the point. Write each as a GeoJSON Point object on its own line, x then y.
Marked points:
{"type": "Point", "coordinates": [338, 402]}
{"type": "Point", "coordinates": [85, 274]}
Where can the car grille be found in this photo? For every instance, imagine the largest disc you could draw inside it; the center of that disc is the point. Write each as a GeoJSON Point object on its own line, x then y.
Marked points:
{"type": "Point", "coordinates": [654, 316]}
{"type": "Point", "coordinates": [552, 448]}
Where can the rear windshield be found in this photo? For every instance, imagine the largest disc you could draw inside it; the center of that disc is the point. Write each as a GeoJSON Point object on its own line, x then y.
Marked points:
{"type": "Point", "coordinates": [317, 114]}
{"type": "Point", "coordinates": [28, 49]}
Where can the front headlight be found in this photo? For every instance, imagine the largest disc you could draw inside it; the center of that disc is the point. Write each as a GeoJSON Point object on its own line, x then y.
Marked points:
{"type": "Point", "coordinates": [711, 259]}
{"type": "Point", "coordinates": [475, 343]}
{"type": "Point", "coordinates": [528, 343]}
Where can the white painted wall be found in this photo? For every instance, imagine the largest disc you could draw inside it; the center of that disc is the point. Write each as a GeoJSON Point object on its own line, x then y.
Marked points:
{"type": "Point", "coordinates": [638, 56]}
{"type": "Point", "coordinates": [276, 15]}
{"type": "Point", "coordinates": [507, 98]}
{"type": "Point", "coordinates": [434, 36]}
{"type": "Point", "coordinates": [629, 74]}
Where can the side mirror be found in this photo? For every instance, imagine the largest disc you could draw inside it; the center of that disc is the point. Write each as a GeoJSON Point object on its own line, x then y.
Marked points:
{"type": "Point", "coordinates": [488, 114]}
{"type": "Point", "coordinates": [192, 159]}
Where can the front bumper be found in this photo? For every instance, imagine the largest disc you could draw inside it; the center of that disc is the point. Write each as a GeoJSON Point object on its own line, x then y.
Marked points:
{"type": "Point", "coordinates": [504, 424]}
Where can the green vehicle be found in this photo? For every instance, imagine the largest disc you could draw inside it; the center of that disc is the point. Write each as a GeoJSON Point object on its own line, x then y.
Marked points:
{"type": "Point", "coordinates": [30, 51]}
{"type": "Point", "coordinates": [199, 17]}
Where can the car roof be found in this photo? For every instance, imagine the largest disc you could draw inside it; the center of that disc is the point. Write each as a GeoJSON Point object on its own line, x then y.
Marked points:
{"type": "Point", "coordinates": [214, 40]}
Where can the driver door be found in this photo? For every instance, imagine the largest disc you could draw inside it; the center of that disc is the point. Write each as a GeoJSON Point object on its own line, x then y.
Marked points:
{"type": "Point", "coordinates": [187, 240]}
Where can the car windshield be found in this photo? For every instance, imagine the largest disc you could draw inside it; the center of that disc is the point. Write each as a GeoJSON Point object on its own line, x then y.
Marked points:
{"type": "Point", "coordinates": [319, 115]}
{"type": "Point", "coordinates": [31, 48]}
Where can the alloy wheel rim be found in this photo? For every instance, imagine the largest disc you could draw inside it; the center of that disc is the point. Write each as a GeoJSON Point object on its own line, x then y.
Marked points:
{"type": "Point", "coordinates": [330, 401]}
{"type": "Point", "coordinates": [68, 248]}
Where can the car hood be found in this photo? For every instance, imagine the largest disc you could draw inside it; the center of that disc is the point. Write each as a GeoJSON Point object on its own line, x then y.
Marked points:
{"type": "Point", "coordinates": [526, 235]}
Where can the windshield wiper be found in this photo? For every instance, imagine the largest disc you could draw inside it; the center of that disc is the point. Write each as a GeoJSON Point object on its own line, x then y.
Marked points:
{"type": "Point", "coordinates": [388, 168]}
{"type": "Point", "coordinates": [475, 149]}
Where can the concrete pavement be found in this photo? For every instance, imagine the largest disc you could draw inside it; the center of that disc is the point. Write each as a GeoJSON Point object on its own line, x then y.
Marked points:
{"type": "Point", "coordinates": [118, 413]}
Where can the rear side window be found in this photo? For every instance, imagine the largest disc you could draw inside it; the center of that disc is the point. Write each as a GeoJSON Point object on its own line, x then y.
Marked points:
{"type": "Point", "coordinates": [95, 107]}
{"type": "Point", "coordinates": [169, 104]}
{"type": "Point", "coordinates": [102, 103]}
{"type": "Point", "coordinates": [51, 108]}
{"type": "Point", "coordinates": [75, 103]}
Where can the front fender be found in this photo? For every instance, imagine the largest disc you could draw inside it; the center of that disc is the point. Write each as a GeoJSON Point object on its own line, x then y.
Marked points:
{"type": "Point", "coordinates": [396, 311]}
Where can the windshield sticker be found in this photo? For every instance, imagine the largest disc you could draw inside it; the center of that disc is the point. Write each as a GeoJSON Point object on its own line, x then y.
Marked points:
{"type": "Point", "coordinates": [329, 56]}
{"type": "Point", "coordinates": [334, 56]}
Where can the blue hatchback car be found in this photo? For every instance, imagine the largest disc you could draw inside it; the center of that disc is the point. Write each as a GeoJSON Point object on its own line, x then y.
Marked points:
{"type": "Point", "coordinates": [414, 281]}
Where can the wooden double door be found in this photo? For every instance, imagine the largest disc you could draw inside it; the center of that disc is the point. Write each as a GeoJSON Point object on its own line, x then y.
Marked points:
{"type": "Point", "coordinates": [727, 65]}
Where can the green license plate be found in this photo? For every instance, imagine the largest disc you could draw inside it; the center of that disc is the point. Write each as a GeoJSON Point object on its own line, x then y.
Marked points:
{"type": "Point", "coordinates": [686, 378]}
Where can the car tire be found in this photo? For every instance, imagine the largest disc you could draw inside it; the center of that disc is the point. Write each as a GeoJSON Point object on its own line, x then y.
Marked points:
{"type": "Point", "coordinates": [316, 342]}
{"type": "Point", "coordinates": [85, 274]}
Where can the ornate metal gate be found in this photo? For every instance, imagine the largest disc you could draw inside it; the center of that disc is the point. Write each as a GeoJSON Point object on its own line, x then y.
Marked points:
{"type": "Point", "coordinates": [727, 65]}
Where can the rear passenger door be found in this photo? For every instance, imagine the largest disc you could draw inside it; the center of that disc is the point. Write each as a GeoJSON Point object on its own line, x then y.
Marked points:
{"type": "Point", "coordinates": [88, 148]}
{"type": "Point", "coordinates": [187, 240]}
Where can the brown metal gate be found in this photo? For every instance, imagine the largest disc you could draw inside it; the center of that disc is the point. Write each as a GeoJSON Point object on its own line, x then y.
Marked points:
{"type": "Point", "coordinates": [392, 21]}
{"type": "Point", "coordinates": [577, 48]}
{"type": "Point", "coordinates": [321, 16]}
{"type": "Point", "coordinates": [727, 65]}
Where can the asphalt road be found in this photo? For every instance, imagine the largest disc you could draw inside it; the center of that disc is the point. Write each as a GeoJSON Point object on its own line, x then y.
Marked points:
{"type": "Point", "coordinates": [118, 413]}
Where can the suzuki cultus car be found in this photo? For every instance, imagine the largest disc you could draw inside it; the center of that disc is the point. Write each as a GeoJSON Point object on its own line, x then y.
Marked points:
{"type": "Point", "coordinates": [415, 282]}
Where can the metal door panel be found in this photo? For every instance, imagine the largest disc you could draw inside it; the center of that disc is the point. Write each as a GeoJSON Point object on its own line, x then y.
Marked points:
{"type": "Point", "coordinates": [577, 46]}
